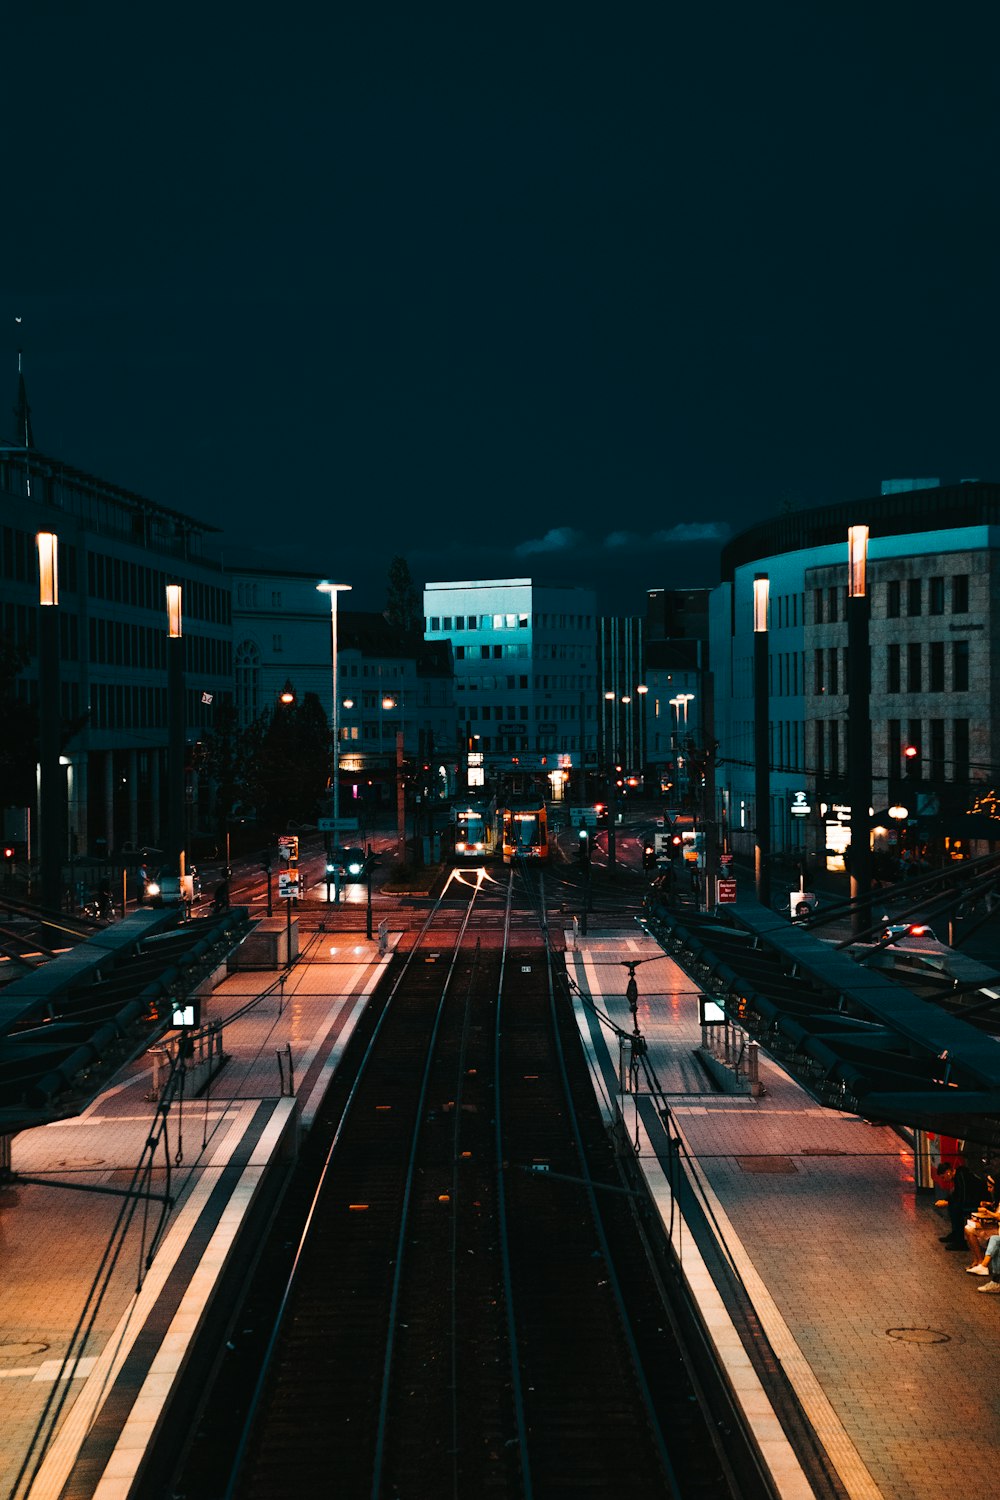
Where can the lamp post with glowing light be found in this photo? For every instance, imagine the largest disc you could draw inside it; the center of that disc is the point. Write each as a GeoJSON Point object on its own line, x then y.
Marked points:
{"type": "Point", "coordinates": [50, 794]}
{"type": "Point", "coordinates": [175, 731]}
{"type": "Point", "coordinates": [761, 742]}
{"type": "Point", "coordinates": [859, 742]}
{"type": "Point", "coordinates": [333, 589]}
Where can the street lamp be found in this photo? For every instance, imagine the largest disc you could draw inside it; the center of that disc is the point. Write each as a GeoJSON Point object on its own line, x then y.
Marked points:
{"type": "Point", "coordinates": [175, 730]}
{"type": "Point", "coordinates": [333, 589]}
{"type": "Point", "coordinates": [49, 775]}
{"type": "Point", "coordinates": [859, 744]}
{"type": "Point", "coordinates": [761, 742]}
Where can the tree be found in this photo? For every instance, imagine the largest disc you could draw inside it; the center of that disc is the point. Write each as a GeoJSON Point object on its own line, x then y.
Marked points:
{"type": "Point", "coordinates": [288, 762]}
{"type": "Point", "coordinates": [402, 604]}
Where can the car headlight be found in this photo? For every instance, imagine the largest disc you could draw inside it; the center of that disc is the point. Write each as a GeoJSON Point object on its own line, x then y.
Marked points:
{"type": "Point", "coordinates": [152, 889]}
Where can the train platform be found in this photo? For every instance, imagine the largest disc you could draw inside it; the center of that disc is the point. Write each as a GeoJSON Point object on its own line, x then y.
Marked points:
{"type": "Point", "coordinates": [92, 1340]}
{"type": "Point", "coordinates": [811, 1219]}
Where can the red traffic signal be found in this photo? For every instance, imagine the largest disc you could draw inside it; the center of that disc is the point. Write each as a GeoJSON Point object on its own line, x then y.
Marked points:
{"type": "Point", "coordinates": [911, 752]}
{"type": "Point", "coordinates": [8, 851]}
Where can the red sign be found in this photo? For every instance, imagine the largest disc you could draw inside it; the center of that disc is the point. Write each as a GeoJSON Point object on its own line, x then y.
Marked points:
{"type": "Point", "coordinates": [725, 890]}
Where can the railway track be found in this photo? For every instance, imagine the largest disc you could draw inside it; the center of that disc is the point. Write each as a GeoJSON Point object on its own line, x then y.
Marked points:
{"type": "Point", "coordinates": [469, 1310]}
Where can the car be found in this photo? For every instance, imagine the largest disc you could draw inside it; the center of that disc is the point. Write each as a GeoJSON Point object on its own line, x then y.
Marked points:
{"type": "Point", "coordinates": [164, 886]}
{"type": "Point", "coordinates": [354, 861]}
{"type": "Point", "coordinates": [912, 934]}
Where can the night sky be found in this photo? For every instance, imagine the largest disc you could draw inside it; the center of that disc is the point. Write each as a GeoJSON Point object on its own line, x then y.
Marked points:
{"type": "Point", "coordinates": [563, 291]}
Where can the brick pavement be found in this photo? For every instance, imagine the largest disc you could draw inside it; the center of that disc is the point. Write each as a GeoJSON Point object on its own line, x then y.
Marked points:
{"type": "Point", "coordinates": [100, 1409]}
{"type": "Point", "coordinates": [885, 1339]}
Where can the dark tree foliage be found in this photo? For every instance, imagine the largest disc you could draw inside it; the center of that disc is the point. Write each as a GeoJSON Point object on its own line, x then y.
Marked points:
{"type": "Point", "coordinates": [402, 602]}
{"type": "Point", "coordinates": [18, 731]}
{"type": "Point", "coordinates": [222, 755]}
{"type": "Point", "coordinates": [288, 763]}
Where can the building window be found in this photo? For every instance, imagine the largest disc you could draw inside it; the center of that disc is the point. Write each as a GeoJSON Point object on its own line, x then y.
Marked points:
{"type": "Point", "coordinates": [936, 666]}
{"type": "Point", "coordinates": [817, 606]}
{"type": "Point", "coordinates": [960, 594]}
{"type": "Point", "coordinates": [937, 749]}
{"type": "Point", "coordinates": [892, 670]}
{"type": "Point", "coordinates": [834, 675]}
{"type": "Point", "coordinates": [247, 664]}
{"type": "Point", "coordinates": [894, 751]}
{"type": "Point", "coordinates": [914, 652]}
{"type": "Point", "coordinates": [960, 666]}
{"type": "Point", "coordinates": [935, 596]}
{"type": "Point", "coordinates": [435, 622]}
{"type": "Point", "coordinates": [446, 625]}
{"type": "Point", "coordinates": [892, 599]}
{"type": "Point", "coordinates": [960, 750]}
{"type": "Point", "coordinates": [914, 596]}
{"type": "Point", "coordinates": [276, 643]}
{"type": "Point", "coordinates": [833, 599]}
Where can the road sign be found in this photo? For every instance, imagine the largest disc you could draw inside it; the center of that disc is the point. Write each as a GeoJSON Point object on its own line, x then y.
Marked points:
{"type": "Point", "coordinates": [583, 817]}
{"type": "Point", "coordinates": [288, 847]}
{"type": "Point", "coordinates": [725, 890]}
{"type": "Point", "coordinates": [288, 883]}
{"type": "Point", "coordinates": [331, 825]}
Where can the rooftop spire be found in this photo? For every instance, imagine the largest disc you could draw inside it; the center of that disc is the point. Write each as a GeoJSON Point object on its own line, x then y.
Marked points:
{"type": "Point", "coordinates": [22, 411]}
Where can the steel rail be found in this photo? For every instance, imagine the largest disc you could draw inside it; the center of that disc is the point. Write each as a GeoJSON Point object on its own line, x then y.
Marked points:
{"type": "Point", "coordinates": [293, 1274]}
{"type": "Point", "coordinates": [404, 1220]}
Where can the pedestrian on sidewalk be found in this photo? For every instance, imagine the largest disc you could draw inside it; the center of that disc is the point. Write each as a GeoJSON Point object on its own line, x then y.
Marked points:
{"type": "Point", "coordinates": [966, 1194]}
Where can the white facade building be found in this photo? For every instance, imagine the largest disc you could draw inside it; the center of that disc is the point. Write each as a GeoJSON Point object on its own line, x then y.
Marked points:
{"type": "Point", "coordinates": [525, 672]}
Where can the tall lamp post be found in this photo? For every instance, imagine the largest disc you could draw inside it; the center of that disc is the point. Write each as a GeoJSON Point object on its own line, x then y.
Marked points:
{"type": "Point", "coordinates": [49, 793]}
{"type": "Point", "coordinates": [333, 589]}
{"type": "Point", "coordinates": [642, 690]}
{"type": "Point", "coordinates": [175, 730]}
{"type": "Point", "coordinates": [859, 743]}
{"type": "Point", "coordinates": [761, 746]}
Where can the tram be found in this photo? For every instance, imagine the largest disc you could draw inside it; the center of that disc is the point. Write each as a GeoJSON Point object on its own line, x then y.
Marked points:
{"type": "Point", "coordinates": [524, 829]}
{"type": "Point", "coordinates": [475, 828]}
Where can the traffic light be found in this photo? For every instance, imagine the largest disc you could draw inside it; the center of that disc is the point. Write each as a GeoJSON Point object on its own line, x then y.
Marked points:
{"type": "Point", "coordinates": [8, 852]}
{"type": "Point", "coordinates": [676, 841]}
{"type": "Point", "coordinates": [584, 846]}
{"type": "Point", "coordinates": [648, 856]}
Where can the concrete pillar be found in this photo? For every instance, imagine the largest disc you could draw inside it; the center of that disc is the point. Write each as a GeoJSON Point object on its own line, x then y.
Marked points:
{"type": "Point", "coordinates": [133, 796]}
{"type": "Point", "coordinates": [155, 798]}
{"type": "Point", "coordinates": [109, 799]}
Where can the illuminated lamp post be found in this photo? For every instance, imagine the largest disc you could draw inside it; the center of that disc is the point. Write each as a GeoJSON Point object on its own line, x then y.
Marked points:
{"type": "Point", "coordinates": [333, 589]}
{"type": "Point", "coordinates": [175, 731]}
{"type": "Point", "coordinates": [50, 794]}
{"type": "Point", "coordinates": [859, 742]}
{"type": "Point", "coordinates": [612, 788]}
{"type": "Point", "coordinates": [761, 742]}
{"type": "Point", "coordinates": [642, 690]}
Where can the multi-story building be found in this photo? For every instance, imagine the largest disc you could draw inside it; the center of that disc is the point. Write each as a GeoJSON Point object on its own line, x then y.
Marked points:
{"type": "Point", "coordinates": [389, 681]}
{"type": "Point", "coordinates": [117, 552]}
{"type": "Point", "coordinates": [525, 674]}
{"type": "Point", "coordinates": [934, 631]}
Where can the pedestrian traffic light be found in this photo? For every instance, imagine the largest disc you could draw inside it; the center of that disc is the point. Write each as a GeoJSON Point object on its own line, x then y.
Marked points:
{"type": "Point", "coordinates": [584, 846]}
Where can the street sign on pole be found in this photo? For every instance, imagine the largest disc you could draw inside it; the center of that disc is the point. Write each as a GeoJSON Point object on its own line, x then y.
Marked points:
{"type": "Point", "coordinates": [288, 884]}
{"type": "Point", "coordinates": [725, 890]}
{"type": "Point", "coordinates": [333, 825]}
{"type": "Point", "coordinates": [583, 817]}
